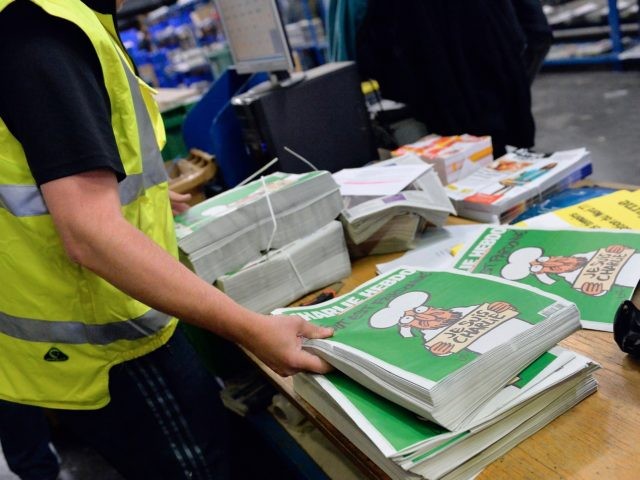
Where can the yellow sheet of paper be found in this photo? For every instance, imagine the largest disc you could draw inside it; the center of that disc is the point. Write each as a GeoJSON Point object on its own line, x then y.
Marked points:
{"type": "Point", "coordinates": [618, 210]}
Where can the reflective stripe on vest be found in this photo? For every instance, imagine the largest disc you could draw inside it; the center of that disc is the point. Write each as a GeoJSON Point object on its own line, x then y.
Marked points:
{"type": "Point", "coordinates": [152, 164]}
{"type": "Point", "coordinates": [78, 332]}
{"type": "Point", "coordinates": [26, 200]}
{"type": "Point", "coordinates": [22, 200]}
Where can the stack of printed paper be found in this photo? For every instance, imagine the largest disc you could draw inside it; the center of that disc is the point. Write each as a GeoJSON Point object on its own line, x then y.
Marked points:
{"type": "Point", "coordinates": [286, 274]}
{"type": "Point", "coordinates": [225, 232]}
{"type": "Point", "coordinates": [434, 248]}
{"type": "Point", "coordinates": [439, 343]}
{"type": "Point", "coordinates": [618, 210]}
{"type": "Point", "coordinates": [406, 446]}
{"type": "Point", "coordinates": [396, 235]}
{"type": "Point", "coordinates": [594, 268]}
{"type": "Point", "coordinates": [453, 157]}
{"type": "Point", "coordinates": [499, 192]}
{"type": "Point", "coordinates": [387, 204]}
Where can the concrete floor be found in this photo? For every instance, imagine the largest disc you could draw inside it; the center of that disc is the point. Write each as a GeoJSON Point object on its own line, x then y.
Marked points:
{"type": "Point", "coordinates": [79, 462]}
{"type": "Point", "coordinates": [599, 110]}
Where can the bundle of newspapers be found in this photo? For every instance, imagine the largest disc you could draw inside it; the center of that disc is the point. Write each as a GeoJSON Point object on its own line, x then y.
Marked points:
{"type": "Point", "coordinates": [499, 192]}
{"type": "Point", "coordinates": [441, 372]}
{"type": "Point", "coordinates": [387, 204]}
{"type": "Point", "coordinates": [453, 157]}
{"type": "Point", "coordinates": [225, 232]}
{"type": "Point", "coordinates": [269, 242]}
{"type": "Point", "coordinates": [286, 274]}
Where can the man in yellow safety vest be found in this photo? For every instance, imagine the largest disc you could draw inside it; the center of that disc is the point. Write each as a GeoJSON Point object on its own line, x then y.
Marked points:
{"type": "Point", "coordinates": [90, 287]}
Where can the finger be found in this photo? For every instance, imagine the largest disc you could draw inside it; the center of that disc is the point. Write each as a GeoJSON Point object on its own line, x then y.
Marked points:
{"type": "Point", "coordinates": [177, 207]}
{"type": "Point", "coordinates": [309, 330]}
{"type": "Point", "coordinates": [312, 363]}
{"type": "Point", "coordinates": [179, 197]}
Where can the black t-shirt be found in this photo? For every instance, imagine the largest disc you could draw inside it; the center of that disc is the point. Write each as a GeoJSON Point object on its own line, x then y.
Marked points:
{"type": "Point", "coordinates": [52, 93]}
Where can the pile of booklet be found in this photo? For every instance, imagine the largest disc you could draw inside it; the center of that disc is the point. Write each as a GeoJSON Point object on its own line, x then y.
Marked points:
{"type": "Point", "coordinates": [406, 446]}
{"type": "Point", "coordinates": [594, 268]}
{"type": "Point", "coordinates": [499, 192]}
{"type": "Point", "coordinates": [269, 242]}
{"type": "Point", "coordinates": [442, 371]}
{"type": "Point", "coordinates": [395, 235]}
{"type": "Point", "coordinates": [225, 232]}
{"type": "Point", "coordinates": [388, 203]}
{"type": "Point", "coordinates": [426, 339]}
{"type": "Point", "coordinates": [286, 274]}
{"type": "Point", "coordinates": [453, 157]}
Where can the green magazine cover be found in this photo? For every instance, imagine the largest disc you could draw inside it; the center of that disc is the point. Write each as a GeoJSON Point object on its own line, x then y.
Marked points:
{"type": "Point", "coordinates": [595, 269]}
{"type": "Point", "coordinates": [438, 343]}
{"type": "Point", "coordinates": [429, 323]}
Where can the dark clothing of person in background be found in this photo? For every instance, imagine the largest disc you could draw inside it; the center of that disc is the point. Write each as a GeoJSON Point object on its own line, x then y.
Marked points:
{"type": "Point", "coordinates": [538, 34]}
{"type": "Point", "coordinates": [457, 65]}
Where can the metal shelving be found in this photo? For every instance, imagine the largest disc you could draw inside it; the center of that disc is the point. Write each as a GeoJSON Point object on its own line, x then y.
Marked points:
{"type": "Point", "coordinates": [614, 50]}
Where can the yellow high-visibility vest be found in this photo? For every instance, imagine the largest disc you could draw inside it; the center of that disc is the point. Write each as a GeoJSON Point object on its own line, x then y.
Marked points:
{"type": "Point", "coordinates": [62, 327]}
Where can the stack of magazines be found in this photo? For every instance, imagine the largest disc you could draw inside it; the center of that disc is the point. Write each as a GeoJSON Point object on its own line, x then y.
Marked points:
{"type": "Point", "coordinates": [453, 157]}
{"type": "Point", "coordinates": [269, 242]}
{"type": "Point", "coordinates": [441, 372]}
{"type": "Point", "coordinates": [377, 224]}
{"type": "Point", "coordinates": [406, 446]}
{"type": "Point", "coordinates": [499, 192]}
{"type": "Point", "coordinates": [225, 232]}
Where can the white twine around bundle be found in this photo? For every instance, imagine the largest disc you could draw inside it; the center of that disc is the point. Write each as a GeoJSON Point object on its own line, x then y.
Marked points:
{"type": "Point", "coordinates": [300, 157]}
{"type": "Point", "coordinates": [295, 270]}
{"type": "Point", "coordinates": [266, 194]}
{"type": "Point", "coordinates": [273, 215]}
{"type": "Point", "coordinates": [273, 161]}
{"type": "Point", "coordinates": [257, 172]}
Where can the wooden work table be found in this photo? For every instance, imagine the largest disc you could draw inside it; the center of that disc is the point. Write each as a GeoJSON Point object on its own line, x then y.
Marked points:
{"type": "Point", "coordinates": [597, 439]}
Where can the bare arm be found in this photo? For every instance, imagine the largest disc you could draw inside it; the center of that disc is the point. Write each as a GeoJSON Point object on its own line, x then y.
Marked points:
{"type": "Point", "coordinates": [86, 211]}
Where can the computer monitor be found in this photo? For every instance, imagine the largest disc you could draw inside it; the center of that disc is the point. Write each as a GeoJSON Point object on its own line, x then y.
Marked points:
{"type": "Point", "coordinates": [256, 36]}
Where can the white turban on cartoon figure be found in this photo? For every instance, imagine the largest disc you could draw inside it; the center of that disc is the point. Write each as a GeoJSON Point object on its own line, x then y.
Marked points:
{"type": "Point", "coordinates": [409, 311]}
{"type": "Point", "coordinates": [520, 265]}
{"type": "Point", "coordinates": [531, 261]}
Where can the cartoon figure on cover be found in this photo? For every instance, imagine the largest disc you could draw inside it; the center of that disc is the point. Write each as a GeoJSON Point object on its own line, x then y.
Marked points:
{"type": "Point", "coordinates": [592, 273]}
{"type": "Point", "coordinates": [477, 328]}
